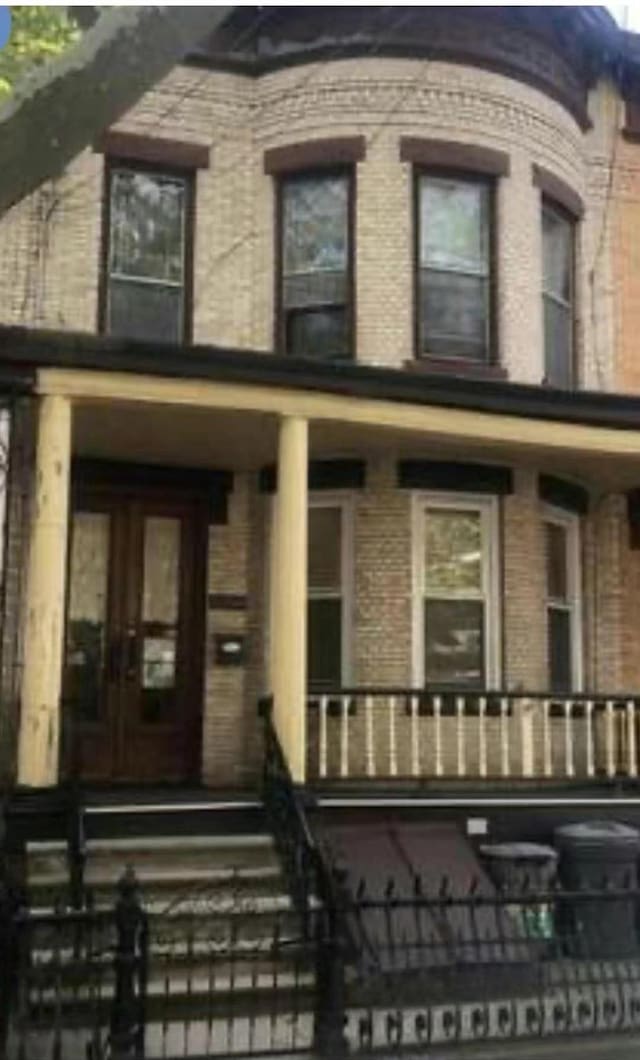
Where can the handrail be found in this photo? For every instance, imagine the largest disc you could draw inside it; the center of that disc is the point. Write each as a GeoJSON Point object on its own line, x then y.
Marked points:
{"type": "Point", "coordinates": [303, 862]}
{"type": "Point", "coordinates": [458, 732]}
{"type": "Point", "coordinates": [457, 690]}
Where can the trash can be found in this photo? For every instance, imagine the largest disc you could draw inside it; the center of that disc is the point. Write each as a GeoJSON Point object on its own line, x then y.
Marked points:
{"type": "Point", "coordinates": [599, 856]}
{"type": "Point", "coordinates": [525, 870]}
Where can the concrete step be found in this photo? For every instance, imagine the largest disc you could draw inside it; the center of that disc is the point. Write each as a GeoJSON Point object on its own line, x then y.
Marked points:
{"type": "Point", "coordinates": [172, 871]}
{"type": "Point", "coordinates": [164, 884]}
{"type": "Point", "coordinates": [107, 858]}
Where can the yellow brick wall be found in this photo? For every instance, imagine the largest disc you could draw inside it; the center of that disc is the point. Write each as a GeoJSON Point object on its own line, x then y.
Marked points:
{"type": "Point", "coordinates": [51, 243]}
{"type": "Point", "coordinates": [382, 612]}
{"type": "Point", "coordinates": [625, 223]}
{"type": "Point", "coordinates": [49, 266]}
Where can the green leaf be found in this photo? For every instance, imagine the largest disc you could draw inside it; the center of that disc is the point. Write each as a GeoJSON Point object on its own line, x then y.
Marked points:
{"type": "Point", "coordinates": [38, 34]}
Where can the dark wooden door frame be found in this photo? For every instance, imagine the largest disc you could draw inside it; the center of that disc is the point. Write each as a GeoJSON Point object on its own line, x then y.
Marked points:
{"type": "Point", "coordinates": [108, 492]}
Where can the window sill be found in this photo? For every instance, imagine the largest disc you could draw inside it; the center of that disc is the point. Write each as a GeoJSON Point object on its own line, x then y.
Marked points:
{"type": "Point", "coordinates": [456, 366]}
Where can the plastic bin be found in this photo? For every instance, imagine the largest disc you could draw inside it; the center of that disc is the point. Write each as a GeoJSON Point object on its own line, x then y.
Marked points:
{"type": "Point", "coordinates": [525, 870]}
{"type": "Point", "coordinates": [599, 855]}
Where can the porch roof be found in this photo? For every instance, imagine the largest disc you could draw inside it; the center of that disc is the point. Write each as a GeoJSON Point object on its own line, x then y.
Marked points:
{"type": "Point", "coordinates": [212, 407]}
{"type": "Point", "coordinates": [39, 348]}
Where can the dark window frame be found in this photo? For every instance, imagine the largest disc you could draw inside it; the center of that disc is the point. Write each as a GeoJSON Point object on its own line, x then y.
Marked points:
{"type": "Point", "coordinates": [188, 176]}
{"type": "Point", "coordinates": [348, 171]}
{"type": "Point", "coordinates": [489, 181]}
{"type": "Point", "coordinates": [547, 204]}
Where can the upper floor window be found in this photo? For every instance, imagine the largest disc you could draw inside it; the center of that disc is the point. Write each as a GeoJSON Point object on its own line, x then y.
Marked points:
{"type": "Point", "coordinates": [557, 295]}
{"type": "Point", "coordinates": [315, 281]}
{"type": "Point", "coordinates": [146, 254]}
{"type": "Point", "coordinates": [454, 267]}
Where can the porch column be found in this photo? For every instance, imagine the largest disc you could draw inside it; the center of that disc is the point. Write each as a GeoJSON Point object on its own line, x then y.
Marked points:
{"type": "Point", "coordinates": [289, 614]}
{"type": "Point", "coordinates": [45, 598]}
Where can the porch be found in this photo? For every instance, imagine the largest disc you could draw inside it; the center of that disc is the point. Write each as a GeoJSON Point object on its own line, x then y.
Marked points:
{"type": "Point", "coordinates": [333, 628]}
{"type": "Point", "coordinates": [412, 740]}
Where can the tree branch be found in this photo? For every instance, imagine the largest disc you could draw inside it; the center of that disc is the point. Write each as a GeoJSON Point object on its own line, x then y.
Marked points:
{"type": "Point", "coordinates": [60, 108]}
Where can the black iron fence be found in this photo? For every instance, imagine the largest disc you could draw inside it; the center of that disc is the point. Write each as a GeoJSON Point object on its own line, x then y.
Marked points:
{"type": "Point", "coordinates": [202, 978]}
{"type": "Point", "coordinates": [74, 980]}
{"type": "Point", "coordinates": [442, 968]}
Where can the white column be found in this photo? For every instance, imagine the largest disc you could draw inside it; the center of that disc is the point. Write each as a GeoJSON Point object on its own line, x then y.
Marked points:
{"type": "Point", "coordinates": [45, 599]}
{"type": "Point", "coordinates": [289, 589]}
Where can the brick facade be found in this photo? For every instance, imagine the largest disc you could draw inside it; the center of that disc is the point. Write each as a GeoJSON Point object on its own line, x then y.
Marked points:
{"type": "Point", "coordinates": [49, 271]}
{"type": "Point", "coordinates": [382, 613]}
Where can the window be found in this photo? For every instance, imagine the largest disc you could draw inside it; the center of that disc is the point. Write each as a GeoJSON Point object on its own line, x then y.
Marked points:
{"type": "Point", "coordinates": [457, 598]}
{"type": "Point", "coordinates": [146, 255]}
{"type": "Point", "coordinates": [327, 628]}
{"type": "Point", "coordinates": [315, 282]}
{"type": "Point", "coordinates": [562, 561]}
{"type": "Point", "coordinates": [454, 251]}
{"type": "Point", "coordinates": [557, 295]}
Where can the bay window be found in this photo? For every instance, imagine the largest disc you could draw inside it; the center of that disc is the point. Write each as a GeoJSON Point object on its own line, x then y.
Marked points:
{"type": "Point", "coordinates": [457, 599]}
{"type": "Point", "coordinates": [146, 254]}
{"type": "Point", "coordinates": [454, 267]}
{"type": "Point", "coordinates": [327, 628]}
{"type": "Point", "coordinates": [315, 263]}
{"type": "Point", "coordinates": [557, 295]}
{"type": "Point", "coordinates": [562, 564]}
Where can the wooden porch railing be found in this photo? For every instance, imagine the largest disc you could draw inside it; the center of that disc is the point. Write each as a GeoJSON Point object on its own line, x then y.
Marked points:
{"type": "Point", "coordinates": [366, 734]}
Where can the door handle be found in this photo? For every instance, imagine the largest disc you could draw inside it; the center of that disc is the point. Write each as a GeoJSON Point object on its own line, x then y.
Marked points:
{"type": "Point", "coordinates": [131, 653]}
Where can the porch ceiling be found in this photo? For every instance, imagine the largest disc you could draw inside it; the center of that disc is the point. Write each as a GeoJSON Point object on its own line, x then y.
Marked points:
{"type": "Point", "coordinates": [183, 435]}
{"type": "Point", "coordinates": [174, 435]}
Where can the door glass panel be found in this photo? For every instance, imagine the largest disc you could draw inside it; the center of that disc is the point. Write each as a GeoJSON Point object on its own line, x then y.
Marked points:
{"type": "Point", "coordinates": [160, 607]}
{"type": "Point", "coordinates": [87, 615]}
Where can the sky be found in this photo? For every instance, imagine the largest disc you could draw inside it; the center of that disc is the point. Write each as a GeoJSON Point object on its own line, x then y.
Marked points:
{"type": "Point", "coordinates": [627, 15]}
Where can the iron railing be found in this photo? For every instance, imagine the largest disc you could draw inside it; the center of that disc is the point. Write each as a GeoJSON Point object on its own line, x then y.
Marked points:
{"type": "Point", "coordinates": [443, 969]}
{"type": "Point", "coordinates": [409, 734]}
{"type": "Point", "coordinates": [307, 874]}
{"type": "Point", "coordinates": [429, 969]}
{"type": "Point", "coordinates": [74, 980]}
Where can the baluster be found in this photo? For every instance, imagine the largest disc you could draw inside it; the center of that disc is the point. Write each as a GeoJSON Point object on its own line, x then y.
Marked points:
{"type": "Point", "coordinates": [504, 736]}
{"type": "Point", "coordinates": [437, 733]}
{"type": "Point", "coordinates": [322, 748]}
{"type": "Point", "coordinates": [393, 754]}
{"type": "Point", "coordinates": [344, 736]}
{"type": "Point", "coordinates": [546, 738]}
{"type": "Point", "coordinates": [460, 732]}
{"type": "Point", "coordinates": [368, 724]}
{"type": "Point", "coordinates": [631, 739]}
{"type": "Point", "coordinates": [589, 725]}
{"type": "Point", "coordinates": [482, 735]}
{"type": "Point", "coordinates": [609, 738]}
{"type": "Point", "coordinates": [527, 751]}
{"type": "Point", "coordinates": [415, 748]}
{"type": "Point", "coordinates": [569, 766]}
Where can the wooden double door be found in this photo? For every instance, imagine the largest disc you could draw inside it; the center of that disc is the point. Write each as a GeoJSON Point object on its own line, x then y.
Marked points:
{"type": "Point", "coordinates": [132, 685]}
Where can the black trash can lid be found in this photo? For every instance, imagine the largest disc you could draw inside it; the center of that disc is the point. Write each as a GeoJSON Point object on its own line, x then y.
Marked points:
{"type": "Point", "coordinates": [599, 835]}
{"type": "Point", "coordinates": [519, 852]}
